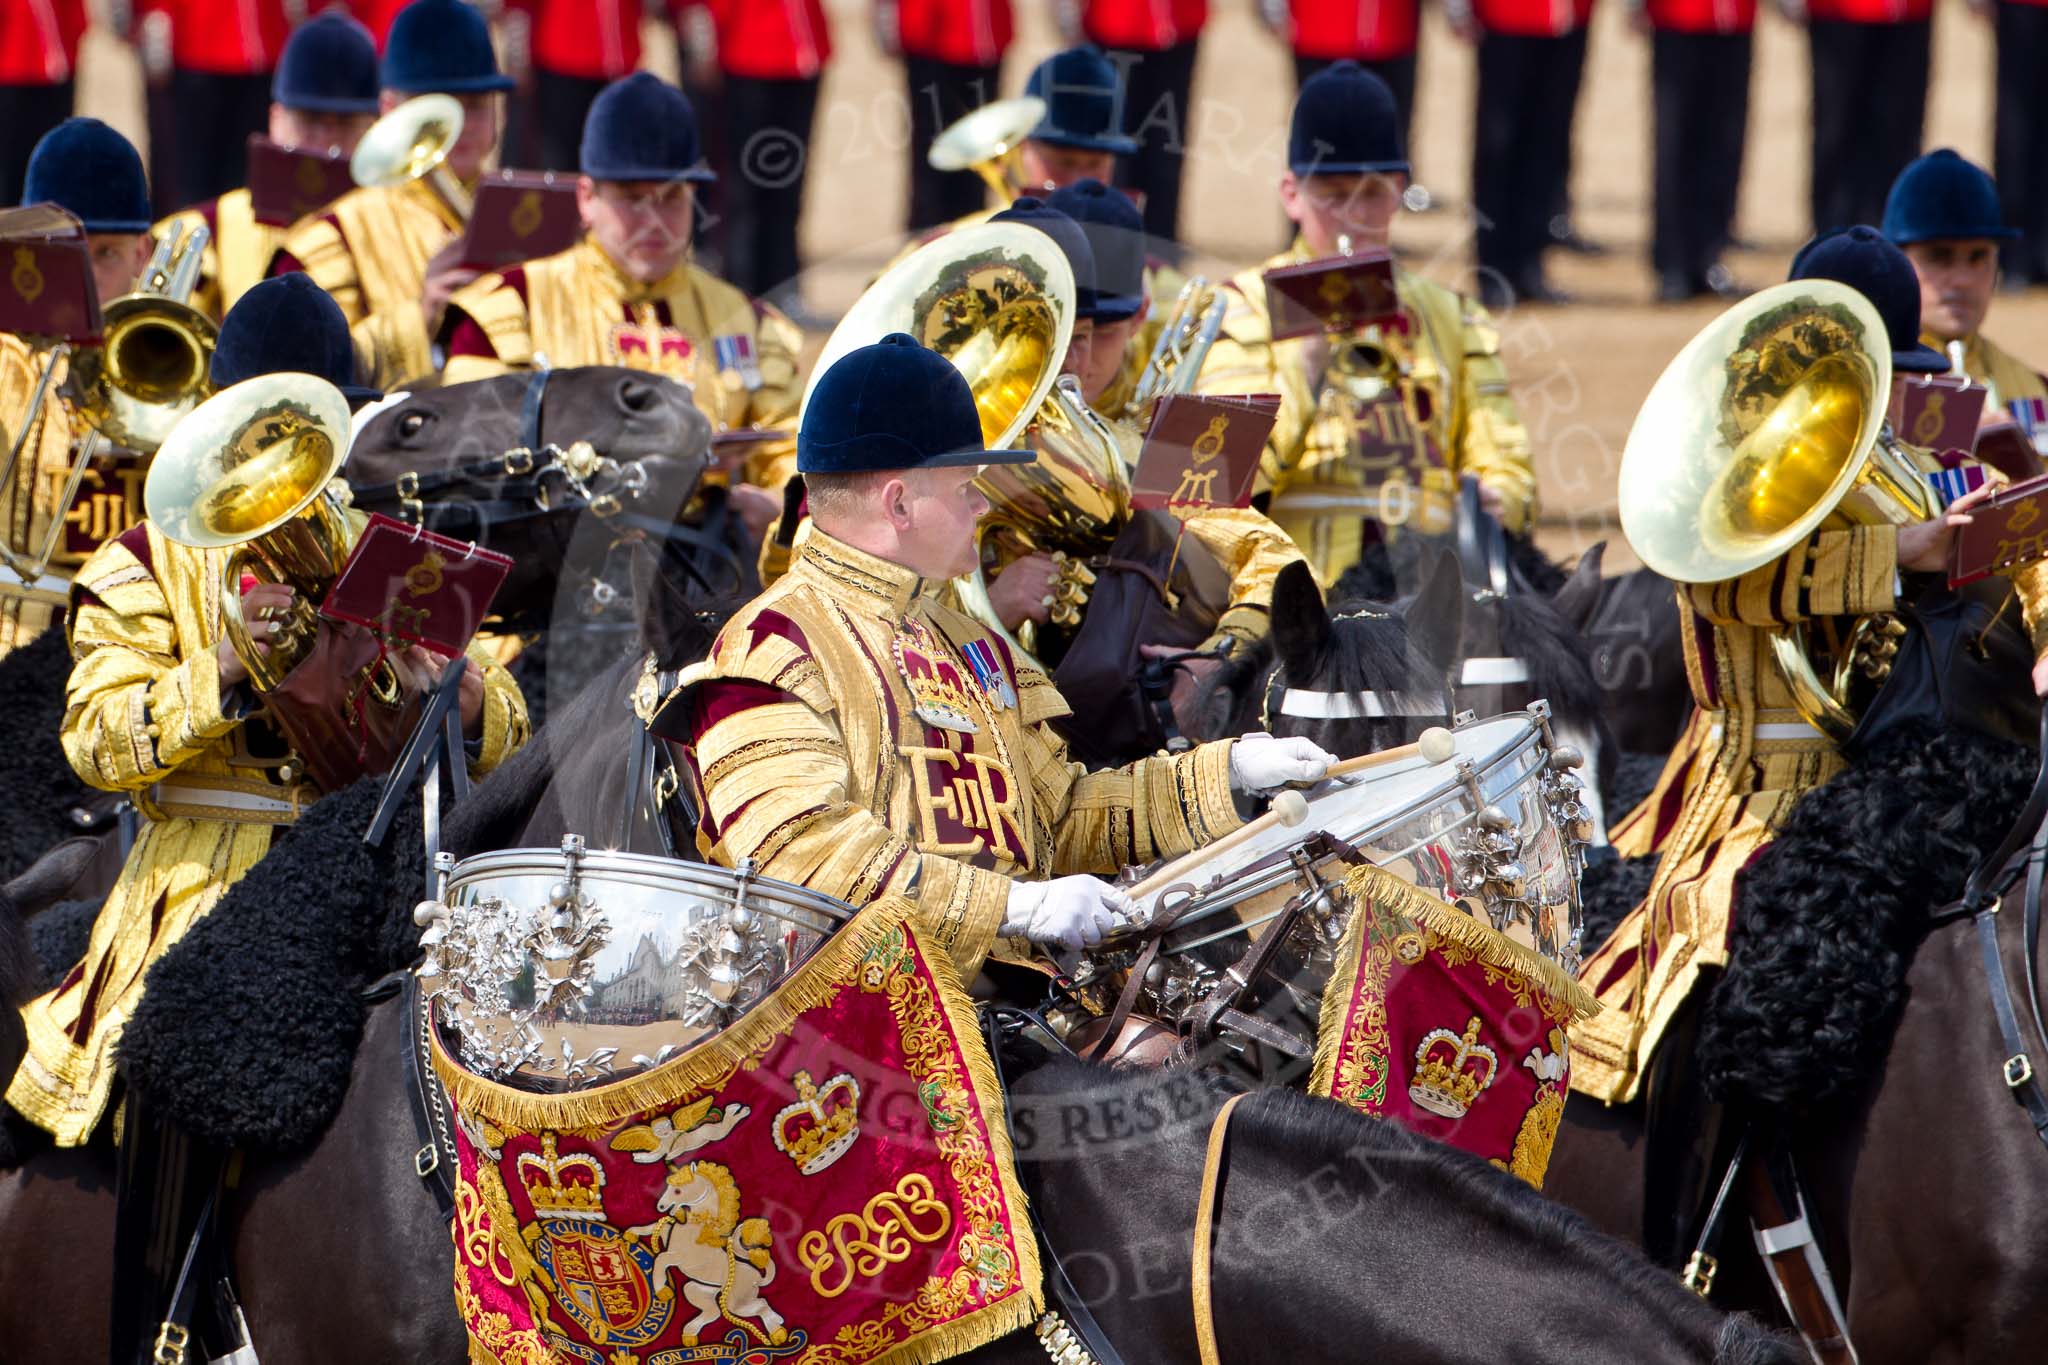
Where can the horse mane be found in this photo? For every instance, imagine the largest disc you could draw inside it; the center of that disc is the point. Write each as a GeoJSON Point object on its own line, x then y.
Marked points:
{"type": "Point", "coordinates": [715, 1233]}
{"type": "Point", "coordinates": [1533, 629]}
{"type": "Point", "coordinates": [1829, 914]}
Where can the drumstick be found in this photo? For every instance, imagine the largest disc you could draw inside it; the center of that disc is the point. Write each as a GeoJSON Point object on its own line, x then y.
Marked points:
{"type": "Point", "coordinates": [1435, 745]}
{"type": "Point", "coordinates": [1289, 808]}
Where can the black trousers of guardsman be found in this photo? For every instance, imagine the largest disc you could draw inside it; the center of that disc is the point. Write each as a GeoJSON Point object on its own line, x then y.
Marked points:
{"type": "Point", "coordinates": [1156, 111]}
{"type": "Point", "coordinates": [1700, 84]}
{"type": "Point", "coordinates": [940, 92]}
{"type": "Point", "coordinates": [1861, 139]}
{"type": "Point", "coordinates": [26, 113]}
{"type": "Point", "coordinates": [1521, 155]}
{"type": "Point", "coordinates": [2020, 144]}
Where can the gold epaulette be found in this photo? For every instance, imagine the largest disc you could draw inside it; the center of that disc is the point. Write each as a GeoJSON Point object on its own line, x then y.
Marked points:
{"type": "Point", "coordinates": [773, 660]}
{"type": "Point", "coordinates": [317, 244]}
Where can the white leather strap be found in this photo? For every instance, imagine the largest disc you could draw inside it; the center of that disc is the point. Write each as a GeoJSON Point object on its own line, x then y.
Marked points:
{"type": "Point", "coordinates": [1305, 704]}
{"type": "Point", "coordinates": [1787, 729]}
{"type": "Point", "coordinates": [1493, 672]}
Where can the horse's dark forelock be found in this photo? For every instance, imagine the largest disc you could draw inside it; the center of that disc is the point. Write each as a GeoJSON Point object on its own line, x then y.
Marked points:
{"type": "Point", "coordinates": [1560, 661]}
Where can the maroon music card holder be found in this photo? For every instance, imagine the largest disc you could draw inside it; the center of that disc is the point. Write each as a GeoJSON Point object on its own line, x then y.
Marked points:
{"type": "Point", "coordinates": [521, 216]}
{"type": "Point", "coordinates": [46, 288]}
{"type": "Point", "coordinates": [1202, 452]}
{"type": "Point", "coordinates": [411, 585]}
{"type": "Point", "coordinates": [1333, 294]}
{"type": "Point", "coordinates": [290, 183]}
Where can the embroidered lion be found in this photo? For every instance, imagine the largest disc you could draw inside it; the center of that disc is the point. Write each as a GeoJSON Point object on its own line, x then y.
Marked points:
{"type": "Point", "coordinates": [725, 1264]}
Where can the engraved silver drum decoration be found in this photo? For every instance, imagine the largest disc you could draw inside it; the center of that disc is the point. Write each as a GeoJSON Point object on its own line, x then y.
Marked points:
{"type": "Point", "coordinates": [1499, 831]}
{"type": "Point", "coordinates": [560, 969]}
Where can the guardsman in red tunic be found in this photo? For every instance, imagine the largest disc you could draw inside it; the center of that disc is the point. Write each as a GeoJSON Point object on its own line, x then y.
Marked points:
{"type": "Point", "coordinates": [2019, 152]}
{"type": "Point", "coordinates": [562, 52]}
{"type": "Point", "coordinates": [1380, 35]}
{"type": "Point", "coordinates": [1870, 66]}
{"type": "Point", "coordinates": [222, 55]}
{"type": "Point", "coordinates": [1152, 45]}
{"type": "Point", "coordinates": [376, 16]}
{"type": "Point", "coordinates": [952, 65]}
{"type": "Point", "coordinates": [323, 95]}
{"type": "Point", "coordinates": [769, 57]}
{"type": "Point", "coordinates": [1699, 82]}
{"type": "Point", "coordinates": [38, 75]}
{"type": "Point", "coordinates": [1531, 55]}
{"type": "Point", "coordinates": [380, 252]}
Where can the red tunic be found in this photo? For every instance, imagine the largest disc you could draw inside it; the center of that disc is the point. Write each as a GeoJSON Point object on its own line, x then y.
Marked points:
{"type": "Point", "coordinates": [376, 16]}
{"type": "Point", "coordinates": [769, 40]}
{"type": "Point", "coordinates": [1533, 18]}
{"type": "Point", "coordinates": [1702, 16]}
{"type": "Point", "coordinates": [227, 37]}
{"type": "Point", "coordinates": [1363, 30]}
{"type": "Point", "coordinates": [1143, 25]}
{"type": "Point", "coordinates": [39, 40]}
{"type": "Point", "coordinates": [1871, 11]}
{"type": "Point", "coordinates": [963, 32]}
{"type": "Point", "coordinates": [597, 40]}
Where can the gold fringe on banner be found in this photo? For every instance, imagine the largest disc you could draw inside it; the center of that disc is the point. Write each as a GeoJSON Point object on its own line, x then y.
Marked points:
{"type": "Point", "coordinates": [709, 1065]}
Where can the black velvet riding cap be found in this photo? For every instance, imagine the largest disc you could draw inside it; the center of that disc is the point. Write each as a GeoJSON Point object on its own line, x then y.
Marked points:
{"type": "Point", "coordinates": [893, 405]}
{"type": "Point", "coordinates": [329, 66]}
{"type": "Point", "coordinates": [441, 47]}
{"type": "Point", "coordinates": [1345, 123]}
{"type": "Point", "coordinates": [1861, 258]}
{"type": "Point", "coordinates": [1084, 108]}
{"type": "Point", "coordinates": [642, 128]}
{"type": "Point", "coordinates": [1072, 241]}
{"type": "Point", "coordinates": [288, 325]}
{"type": "Point", "coordinates": [93, 173]}
{"type": "Point", "coordinates": [1116, 237]}
{"type": "Point", "coordinates": [1942, 197]}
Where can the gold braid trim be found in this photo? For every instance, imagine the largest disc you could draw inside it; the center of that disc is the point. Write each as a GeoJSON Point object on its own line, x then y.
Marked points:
{"type": "Point", "coordinates": [1383, 889]}
{"type": "Point", "coordinates": [770, 748]}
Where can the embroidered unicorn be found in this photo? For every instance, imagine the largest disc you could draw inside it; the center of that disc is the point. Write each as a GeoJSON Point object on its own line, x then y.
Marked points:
{"type": "Point", "coordinates": [722, 1259]}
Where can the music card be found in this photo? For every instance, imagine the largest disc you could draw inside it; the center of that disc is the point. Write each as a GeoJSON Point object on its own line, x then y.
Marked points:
{"type": "Point", "coordinates": [521, 216]}
{"type": "Point", "coordinates": [46, 288]}
{"type": "Point", "coordinates": [1333, 294]}
{"type": "Point", "coordinates": [408, 584]}
{"type": "Point", "coordinates": [289, 183]}
{"type": "Point", "coordinates": [1202, 452]}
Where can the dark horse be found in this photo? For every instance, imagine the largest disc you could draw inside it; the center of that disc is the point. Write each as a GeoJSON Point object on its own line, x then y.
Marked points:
{"type": "Point", "coordinates": [1858, 1031]}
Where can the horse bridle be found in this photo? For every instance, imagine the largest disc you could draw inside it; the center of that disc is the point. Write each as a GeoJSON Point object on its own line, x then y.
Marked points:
{"type": "Point", "coordinates": [1982, 897]}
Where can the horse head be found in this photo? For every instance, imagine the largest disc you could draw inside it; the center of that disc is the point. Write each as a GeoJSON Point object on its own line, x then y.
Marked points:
{"type": "Point", "coordinates": [1354, 680]}
{"type": "Point", "coordinates": [495, 461]}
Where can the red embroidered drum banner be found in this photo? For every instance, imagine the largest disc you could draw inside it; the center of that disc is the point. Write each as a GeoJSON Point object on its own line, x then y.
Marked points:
{"type": "Point", "coordinates": [828, 1182]}
{"type": "Point", "coordinates": [1437, 1021]}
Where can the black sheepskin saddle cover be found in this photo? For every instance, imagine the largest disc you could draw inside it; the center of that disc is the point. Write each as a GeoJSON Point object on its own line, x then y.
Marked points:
{"type": "Point", "coordinates": [1829, 914]}
{"type": "Point", "coordinates": [248, 1026]}
{"type": "Point", "coordinates": [41, 790]}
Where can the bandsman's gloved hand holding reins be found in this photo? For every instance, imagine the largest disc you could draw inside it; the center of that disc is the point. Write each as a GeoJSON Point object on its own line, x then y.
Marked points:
{"type": "Point", "coordinates": [1072, 912]}
{"type": "Point", "coordinates": [1260, 763]}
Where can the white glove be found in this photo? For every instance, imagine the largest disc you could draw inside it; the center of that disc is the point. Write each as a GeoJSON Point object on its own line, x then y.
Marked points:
{"type": "Point", "coordinates": [1074, 912]}
{"type": "Point", "coordinates": [1261, 763]}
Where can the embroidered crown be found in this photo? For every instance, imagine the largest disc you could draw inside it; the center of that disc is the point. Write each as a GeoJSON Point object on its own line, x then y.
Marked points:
{"type": "Point", "coordinates": [1450, 1070]}
{"type": "Point", "coordinates": [821, 1126]}
{"type": "Point", "coordinates": [562, 1186]}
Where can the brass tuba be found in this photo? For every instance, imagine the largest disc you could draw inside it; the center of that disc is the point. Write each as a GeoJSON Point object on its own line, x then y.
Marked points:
{"type": "Point", "coordinates": [983, 140]}
{"type": "Point", "coordinates": [252, 471]}
{"type": "Point", "coordinates": [1770, 426]}
{"type": "Point", "coordinates": [412, 142]}
{"type": "Point", "coordinates": [997, 300]}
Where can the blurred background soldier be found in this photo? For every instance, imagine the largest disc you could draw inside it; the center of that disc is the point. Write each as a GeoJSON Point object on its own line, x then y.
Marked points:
{"type": "Point", "coordinates": [561, 53]}
{"type": "Point", "coordinates": [385, 254]}
{"type": "Point", "coordinates": [1531, 56]}
{"type": "Point", "coordinates": [1699, 78]}
{"type": "Point", "coordinates": [323, 95]}
{"type": "Point", "coordinates": [38, 74]}
{"type": "Point", "coordinates": [222, 53]}
{"type": "Point", "coordinates": [768, 57]}
{"type": "Point", "coordinates": [1151, 43]}
{"type": "Point", "coordinates": [2020, 152]}
{"type": "Point", "coordinates": [952, 65]}
{"type": "Point", "coordinates": [1869, 101]}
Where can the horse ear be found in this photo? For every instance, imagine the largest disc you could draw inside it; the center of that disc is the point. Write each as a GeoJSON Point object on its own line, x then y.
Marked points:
{"type": "Point", "coordinates": [1435, 616]}
{"type": "Point", "coordinates": [1301, 626]}
{"type": "Point", "coordinates": [1577, 600]}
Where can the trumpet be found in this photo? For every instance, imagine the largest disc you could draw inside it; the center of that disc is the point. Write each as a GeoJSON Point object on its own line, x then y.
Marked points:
{"type": "Point", "coordinates": [412, 142]}
{"type": "Point", "coordinates": [1187, 332]}
{"type": "Point", "coordinates": [983, 140]}
{"type": "Point", "coordinates": [997, 300]}
{"type": "Point", "coordinates": [149, 369]}
{"type": "Point", "coordinates": [1769, 426]}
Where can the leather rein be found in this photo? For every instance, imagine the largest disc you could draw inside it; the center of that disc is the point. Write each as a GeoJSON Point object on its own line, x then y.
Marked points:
{"type": "Point", "coordinates": [1982, 898]}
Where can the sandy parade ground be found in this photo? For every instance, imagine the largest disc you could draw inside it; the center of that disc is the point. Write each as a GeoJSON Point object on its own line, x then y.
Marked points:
{"type": "Point", "coordinates": [1579, 370]}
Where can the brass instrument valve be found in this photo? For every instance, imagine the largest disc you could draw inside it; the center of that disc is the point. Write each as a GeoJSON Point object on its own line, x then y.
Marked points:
{"type": "Point", "coordinates": [1070, 589]}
